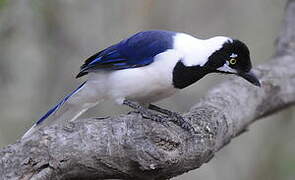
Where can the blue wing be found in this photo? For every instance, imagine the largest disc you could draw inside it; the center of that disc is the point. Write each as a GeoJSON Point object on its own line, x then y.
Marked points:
{"type": "Point", "coordinates": [136, 51]}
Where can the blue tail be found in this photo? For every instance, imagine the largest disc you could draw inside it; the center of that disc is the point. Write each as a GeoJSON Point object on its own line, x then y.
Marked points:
{"type": "Point", "coordinates": [55, 108]}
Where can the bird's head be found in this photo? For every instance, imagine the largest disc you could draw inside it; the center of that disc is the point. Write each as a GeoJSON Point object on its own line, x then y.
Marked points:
{"type": "Point", "coordinates": [232, 58]}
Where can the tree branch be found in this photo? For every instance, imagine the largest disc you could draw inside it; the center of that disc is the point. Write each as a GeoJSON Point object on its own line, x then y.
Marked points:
{"type": "Point", "coordinates": [130, 147]}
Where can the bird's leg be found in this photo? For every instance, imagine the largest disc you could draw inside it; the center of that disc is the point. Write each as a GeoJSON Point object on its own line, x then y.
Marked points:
{"type": "Point", "coordinates": [161, 110]}
{"type": "Point", "coordinates": [174, 116]}
{"type": "Point", "coordinates": [144, 111]}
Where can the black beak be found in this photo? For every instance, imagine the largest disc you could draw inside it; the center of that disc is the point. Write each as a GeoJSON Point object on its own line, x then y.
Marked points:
{"type": "Point", "coordinates": [251, 77]}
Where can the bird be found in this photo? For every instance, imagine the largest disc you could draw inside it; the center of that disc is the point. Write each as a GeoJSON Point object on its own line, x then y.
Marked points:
{"type": "Point", "coordinates": [147, 67]}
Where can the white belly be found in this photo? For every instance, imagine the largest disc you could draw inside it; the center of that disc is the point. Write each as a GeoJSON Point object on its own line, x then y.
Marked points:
{"type": "Point", "coordinates": [144, 84]}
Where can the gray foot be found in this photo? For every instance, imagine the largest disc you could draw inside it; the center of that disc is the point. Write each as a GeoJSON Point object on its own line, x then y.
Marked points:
{"type": "Point", "coordinates": [145, 112]}
{"type": "Point", "coordinates": [175, 117]}
{"type": "Point", "coordinates": [172, 116]}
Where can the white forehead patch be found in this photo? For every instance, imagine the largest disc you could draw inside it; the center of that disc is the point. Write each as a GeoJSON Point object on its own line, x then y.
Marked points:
{"type": "Point", "coordinates": [197, 51]}
{"type": "Point", "coordinates": [233, 55]}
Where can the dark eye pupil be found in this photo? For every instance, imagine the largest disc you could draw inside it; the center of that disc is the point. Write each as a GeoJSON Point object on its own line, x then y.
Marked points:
{"type": "Point", "coordinates": [232, 61]}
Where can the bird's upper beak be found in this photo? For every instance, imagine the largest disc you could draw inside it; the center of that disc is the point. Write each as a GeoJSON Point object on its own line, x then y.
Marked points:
{"type": "Point", "coordinates": [251, 77]}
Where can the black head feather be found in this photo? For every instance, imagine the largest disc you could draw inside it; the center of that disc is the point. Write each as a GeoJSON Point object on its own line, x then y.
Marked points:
{"type": "Point", "coordinates": [229, 48]}
{"type": "Point", "coordinates": [184, 76]}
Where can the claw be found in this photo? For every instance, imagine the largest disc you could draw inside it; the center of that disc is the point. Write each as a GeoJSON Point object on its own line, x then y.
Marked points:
{"type": "Point", "coordinates": [177, 119]}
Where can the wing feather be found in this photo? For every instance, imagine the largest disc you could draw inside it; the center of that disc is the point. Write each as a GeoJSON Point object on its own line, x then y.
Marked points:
{"type": "Point", "coordinates": [136, 51]}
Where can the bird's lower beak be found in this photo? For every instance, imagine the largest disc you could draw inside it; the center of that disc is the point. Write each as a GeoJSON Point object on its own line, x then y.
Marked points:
{"type": "Point", "coordinates": [251, 77]}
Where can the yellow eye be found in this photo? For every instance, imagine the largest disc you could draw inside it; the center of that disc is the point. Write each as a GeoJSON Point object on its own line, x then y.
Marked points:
{"type": "Point", "coordinates": [232, 61]}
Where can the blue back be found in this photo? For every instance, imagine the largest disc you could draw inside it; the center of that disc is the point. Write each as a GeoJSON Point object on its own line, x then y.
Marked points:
{"type": "Point", "coordinates": [136, 51]}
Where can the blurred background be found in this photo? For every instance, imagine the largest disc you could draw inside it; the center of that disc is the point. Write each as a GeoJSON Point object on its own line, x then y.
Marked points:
{"type": "Point", "coordinates": [43, 44]}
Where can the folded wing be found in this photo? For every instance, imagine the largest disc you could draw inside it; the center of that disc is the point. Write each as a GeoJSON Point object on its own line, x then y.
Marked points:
{"type": "Point", "coordinates": [136, 51]}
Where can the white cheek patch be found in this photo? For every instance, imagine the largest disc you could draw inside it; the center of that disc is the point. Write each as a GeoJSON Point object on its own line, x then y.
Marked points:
{"type": "Point", "coordinates": [226, 68]}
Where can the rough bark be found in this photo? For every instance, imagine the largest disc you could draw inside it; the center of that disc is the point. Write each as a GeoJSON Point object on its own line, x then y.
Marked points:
{"type": "Point", "coordinates": [130, 147]}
